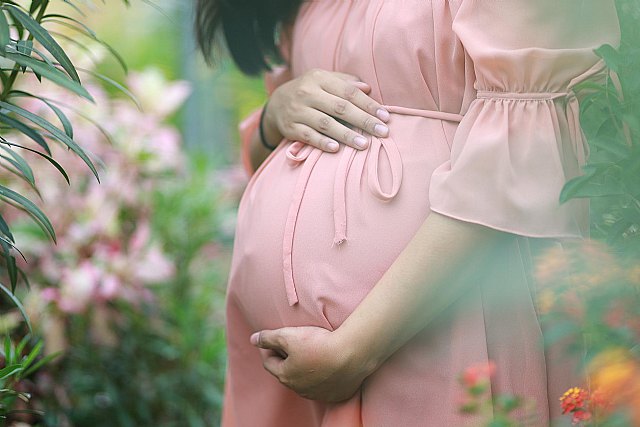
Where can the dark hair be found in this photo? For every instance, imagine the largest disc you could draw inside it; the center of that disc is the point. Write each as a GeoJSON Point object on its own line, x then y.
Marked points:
{"type": "Point", "coordinates": [247, 26]}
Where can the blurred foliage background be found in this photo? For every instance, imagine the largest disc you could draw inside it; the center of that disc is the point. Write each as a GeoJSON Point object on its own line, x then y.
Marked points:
{"type": "Point", "coordinates": [127, 307]}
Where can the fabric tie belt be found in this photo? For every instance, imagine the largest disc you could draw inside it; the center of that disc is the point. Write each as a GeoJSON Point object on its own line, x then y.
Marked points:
{"type": "Point", "coordinates": [299, 153]}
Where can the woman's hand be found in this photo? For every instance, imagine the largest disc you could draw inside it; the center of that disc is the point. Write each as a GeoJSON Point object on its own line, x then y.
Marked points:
{"type": "Point", "coordinates": [318, 107]}
{"type": "Point", "coordinates": [313, 362]}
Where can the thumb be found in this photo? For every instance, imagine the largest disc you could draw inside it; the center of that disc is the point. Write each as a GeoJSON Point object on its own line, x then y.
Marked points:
{"type": "Point", "coordinates": [270, 339]}
{"type": "Point", "coordinates": [274, 364]}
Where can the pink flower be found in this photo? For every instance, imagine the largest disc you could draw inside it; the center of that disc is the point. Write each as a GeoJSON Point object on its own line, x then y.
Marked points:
{"type": "Point", "coordinates": [77, 288]}
{"type": "Point", "coordinates": [154, 267]}
{"type": "Point", "coordinates": [50, 294]}
{"type": "Point", "coordinates": [478, 374]}
{"type": "Point", "coordinates": [156, 95]}
{"type": "Point", "coordinates": [109, 288]}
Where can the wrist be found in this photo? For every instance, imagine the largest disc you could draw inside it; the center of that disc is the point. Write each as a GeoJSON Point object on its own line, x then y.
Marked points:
{"type": "Point", "coordinates": [261, 132]}
{"type": "Point", "coordinates": [355, 352]}
{"type": "Point", "coordinates": [267, 130]}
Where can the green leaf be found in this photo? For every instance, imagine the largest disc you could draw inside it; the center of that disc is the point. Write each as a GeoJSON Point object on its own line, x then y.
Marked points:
{"type": "Point", "coordinates": [66, 123]}
{"type": "Point", "coordinates": [5, 38]}
{"type": "Point", "coordinates": [4, 239]}
{"type": "Point", "coordinates": [4, 228]}
{"type": "Point", "coordinates": [25, 47]}
{"type": "Point", "coordinates": [611, 56]}
{"type": "Point", "coordinates": [9, 371]}
{"type": "Point", "coordinates": [57, 133]}
{"type": "Point", "coordinates": [115, 84]}
{"type": "Point", "coordinates": [12, 268]}
{"type": "Point", "coordinates": [597, 88]}
{"type": "Point", "coordinates": [35, 351]}
{"type": "Point", "coordinates": [8, 354]}
{"type": "Point", "coordinates": [595, 186]}
{"type": "Point", "coordinates": [617, 147]}
{"type": "Point", "coordinates": [76, 8]}
{"type": "Point", "coordinates": [41, 362]}
{"type": "Point", "coordinates": [49, 158]}
{"type": "Point", "coordinates": [157, 8]}
{"type": "Point", "coordinates": [508, 402]}
{"type": "Point", "coordinates": [20, 164]}
{"type": "Point", "coordinates": [51, 17]}
{"type": "Point", "coordinates": [35, 4]}
{"type": "Point", "coordinates": [21, 127]}
{"type": "Point", "coordinates": [18, 305]}
{"type": "Point", "coordinates": [89, 33]}
{"type": "Point", "coordinates": [33, 210]}
{"type": "Point", "coordinates": [53, 74]}
{"type": "Point", "coordinates": [86, 117]}
{"type": "Point", "coordinates": [45, 39]}
{"type": "Point", "coordinates": [22, 344]}
{"type": "Point", "coordinates": [44, 58]}
{"type": "Point", "coordinates": [25, 279]}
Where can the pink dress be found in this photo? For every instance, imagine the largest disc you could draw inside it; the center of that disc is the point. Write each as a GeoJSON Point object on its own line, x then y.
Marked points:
{"type": "Point", "coordinates": [484, 128]}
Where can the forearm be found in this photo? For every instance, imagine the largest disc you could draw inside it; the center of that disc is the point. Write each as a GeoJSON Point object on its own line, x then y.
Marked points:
{"type": "Point", "coordinates": [257, 151]}
{"type": "Point", "coordinates": [415, 289]}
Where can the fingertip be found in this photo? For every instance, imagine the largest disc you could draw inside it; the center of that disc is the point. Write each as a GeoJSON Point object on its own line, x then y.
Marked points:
{"type": "Point", "coordinates": [255, 339]}
{"type": "Point", "coordinates": [383, 114]}
{"type": "Point", "coordinates": [363, 86]}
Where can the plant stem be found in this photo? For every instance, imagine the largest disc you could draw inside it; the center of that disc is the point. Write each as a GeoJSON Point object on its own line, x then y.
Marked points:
{"type": "Point", "coordinates": [16, 68]}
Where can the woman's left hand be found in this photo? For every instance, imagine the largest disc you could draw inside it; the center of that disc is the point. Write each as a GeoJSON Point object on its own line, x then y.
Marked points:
{"type": "Point", "coordinates": [313, 362]}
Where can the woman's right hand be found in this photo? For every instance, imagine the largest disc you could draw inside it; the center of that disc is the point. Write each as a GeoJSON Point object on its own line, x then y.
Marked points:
{"type": "Point", "coordinates": [318, 107]}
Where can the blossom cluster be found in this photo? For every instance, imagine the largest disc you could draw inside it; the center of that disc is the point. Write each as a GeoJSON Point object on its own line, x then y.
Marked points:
{"type": "Point", "coordinates": [577, 402]}
{"type": "Point", "coordinates": [105, 251]}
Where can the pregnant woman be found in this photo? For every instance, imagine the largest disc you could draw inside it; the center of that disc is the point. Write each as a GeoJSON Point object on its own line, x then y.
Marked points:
{"type": "Point", "coordinates": [387, 241]}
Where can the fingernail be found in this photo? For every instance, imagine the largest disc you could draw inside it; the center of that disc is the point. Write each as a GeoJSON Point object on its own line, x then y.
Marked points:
{"type": "Point", "coordinates": [382, 114]}
{"type": "Point", "coordinates": [333, 146]}
{"type": "Point", "coordinates": [361, 141]}
{"type": "Point", "coordinates": [254, 338]}
{"type": "Point", "coordinates": [381, 130]}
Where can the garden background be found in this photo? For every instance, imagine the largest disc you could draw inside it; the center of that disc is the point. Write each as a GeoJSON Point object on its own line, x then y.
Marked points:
{"type": "Point", "coordinates": [126, 308]}
{"type": "Point", "coordinates": [130, 298]}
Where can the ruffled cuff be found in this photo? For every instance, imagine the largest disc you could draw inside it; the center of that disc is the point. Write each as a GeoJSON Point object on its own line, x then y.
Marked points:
{"type": "Point", "coordinates": [511, 156]}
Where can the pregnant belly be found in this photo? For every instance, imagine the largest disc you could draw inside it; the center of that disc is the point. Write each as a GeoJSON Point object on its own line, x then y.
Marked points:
{"type": "Point", "coordinates": [315, 233]}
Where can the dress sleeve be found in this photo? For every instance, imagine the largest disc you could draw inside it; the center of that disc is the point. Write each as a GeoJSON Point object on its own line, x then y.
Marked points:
{"type": "Point", "coordinates": [520, 140]}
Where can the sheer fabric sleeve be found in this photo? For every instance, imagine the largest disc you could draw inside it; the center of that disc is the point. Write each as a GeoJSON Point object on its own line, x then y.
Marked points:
{"type": "Point", "coordinates": [520, 139]}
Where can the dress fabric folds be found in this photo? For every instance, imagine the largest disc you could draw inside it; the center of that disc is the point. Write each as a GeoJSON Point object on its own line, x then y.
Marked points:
{"type": "Point", "coordinates": [484, 128]}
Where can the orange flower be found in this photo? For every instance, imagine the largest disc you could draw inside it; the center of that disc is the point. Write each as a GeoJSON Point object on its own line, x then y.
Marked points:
{"type": "Point", "coordinates": [574, 399]}
{"type": "Point", "coordinates": [616, 375]}
{"type": "Point", "coordinates": [600, 402]}
{"type": "Point", "coordinates": [612, 370]}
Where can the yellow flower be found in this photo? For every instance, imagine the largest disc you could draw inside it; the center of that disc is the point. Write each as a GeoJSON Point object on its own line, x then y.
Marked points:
{"type": "Point", "coordinates": [546, 300]}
